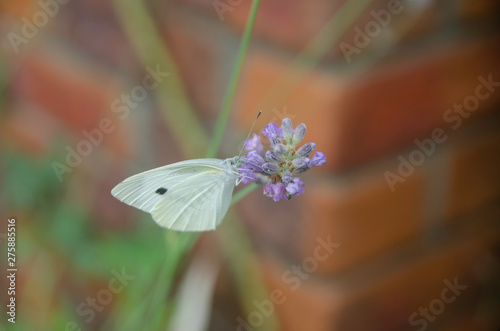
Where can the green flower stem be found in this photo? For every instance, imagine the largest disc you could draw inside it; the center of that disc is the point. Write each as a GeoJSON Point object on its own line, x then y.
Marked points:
{"type": "Point", "coordinates": [180, 117]}
{"type": "Point", "coordinates": [147, 314]}
{"type": "Point", "coordinates": [223, 118]}
{"type": "Point", "coordinates": [184, 244]}
{"type": "Point", "coordinates": [243, 193]}
{"type": "Point", "coordinates": [246, 268]}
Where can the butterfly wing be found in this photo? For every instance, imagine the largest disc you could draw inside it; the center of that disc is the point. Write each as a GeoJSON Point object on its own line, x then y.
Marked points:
{"type": "Point", "coordinates": [145, 190]}
{"type": "Point", "coordinates": [199, 203]}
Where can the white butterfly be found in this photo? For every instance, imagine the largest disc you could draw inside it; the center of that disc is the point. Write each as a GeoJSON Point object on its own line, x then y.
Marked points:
{"type": "Point", "coordinates": [191, 195]}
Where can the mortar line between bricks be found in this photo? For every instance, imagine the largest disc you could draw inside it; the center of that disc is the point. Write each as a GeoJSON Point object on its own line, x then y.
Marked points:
{"type": "Point", "coordinates": [472, 227]}
{"type": "Point", "coordinates": [476, 127]}
{"type": "Point", "coordinates": [436, 189]}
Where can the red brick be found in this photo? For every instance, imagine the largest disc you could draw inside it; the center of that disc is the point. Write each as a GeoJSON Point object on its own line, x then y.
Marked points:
{"type": "Point", "coordinates": [478, 9]}
{"type": "Point", "coordinates": [71, 90]}
{"type": "Point", "coordinates": [294, 24]}
{"type": "Point", "coordinates": [93, 28]}
{"type": "Point", "coordinates": [469, 321]}
{"type": "Point", "coordinates": [355, 119]}
{"type": "Point", "coordinates": [416, 24]}
{"type": "Point", "coordinates": [386, 294]}
{"type": "Point", "coordinates": [475, 176]}
{"type": "Point", "coordinates": [288, 23]}
{"type": "Point", "coordinates": [107, 212]}
{"type": "Point", "coordinates": [28, 130]}
{"type": "Point", "coordinates": [413, 21]}
{"type": "Point", "coordinates": [363, 215]}
{"type": "Point", "coordinates": [275, 225]}
{"type": "Point", "coordinates": [196, 47]}
{"type": "Point", "coordinates": [394, 104]}
{"type": "Point", "coordinates": [17, 8]}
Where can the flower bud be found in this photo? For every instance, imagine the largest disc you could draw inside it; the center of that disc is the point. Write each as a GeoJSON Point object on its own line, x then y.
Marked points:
{"type": "Point", "coordinates": [255, 160]}
{"type": "Point", "coordinates": [280, 149]}
{"type": "Point", "coordinates": [287, 128]}
{"type": "Point", "coordinates": [274, 141]}
{"type": "Point", "coordinates": [273, 156]}
{"type": "Point", "coordinates": [271, 168]}
{"type": "Point", "coordinates": [305, 150]}
{"type": "Point", "coordinates": [302, 169]}
{"type": "Point", "coordinates": [300, 162]}
{"type": "Point", "coordinates": [287, 177]}
{"type": "Point", "coordinates": [318, 159]}
{"type": "Point", "coordinates": [299, 133]}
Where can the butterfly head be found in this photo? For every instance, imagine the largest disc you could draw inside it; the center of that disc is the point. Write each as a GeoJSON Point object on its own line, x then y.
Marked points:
{"type": "Point", "coordinates": [235, 162]}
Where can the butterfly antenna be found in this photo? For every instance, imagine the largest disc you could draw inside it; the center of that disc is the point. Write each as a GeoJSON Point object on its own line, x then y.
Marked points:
{"type": "Point", "coordinates": [249, 133]}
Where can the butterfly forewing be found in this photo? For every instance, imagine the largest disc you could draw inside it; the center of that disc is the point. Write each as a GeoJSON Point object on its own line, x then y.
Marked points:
{"type": "Point", "coordinates": [144, 190]}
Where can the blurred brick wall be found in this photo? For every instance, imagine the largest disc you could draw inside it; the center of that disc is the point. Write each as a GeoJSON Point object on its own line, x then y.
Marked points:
{"type": "Point", "coordinates": [397, 247]}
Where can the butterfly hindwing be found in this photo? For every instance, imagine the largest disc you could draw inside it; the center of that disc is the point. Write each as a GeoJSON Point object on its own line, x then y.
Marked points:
{"type": "Point", "coordinates": [199, 203]}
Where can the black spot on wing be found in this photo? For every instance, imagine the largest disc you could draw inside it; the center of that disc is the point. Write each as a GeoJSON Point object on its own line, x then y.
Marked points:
{"type": "Point", "coordinates": [161, 191]}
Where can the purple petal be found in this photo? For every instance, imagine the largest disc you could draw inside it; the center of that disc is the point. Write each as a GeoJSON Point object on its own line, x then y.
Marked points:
{"type": "Point", "coordinates": [254, 159]}
{"type": "Point", "coordinates": [247, 176]}
{"type": "Point", "coordinates": [251, 166]}
{"type": "Point", "coordinates": [279, 192]}
{"type": "Point", "coordinates": [276, 191]}
{"type": "Point", "coordinates": [254, 144]}
{"type": "Point", "coordinates": [317, 160]}
{"type": "Point", "coordinates": [272, 131]}
{"type": "Point", "coordinates": [296, 187]}
{"type": "Point", "coordinates": [268, 190]}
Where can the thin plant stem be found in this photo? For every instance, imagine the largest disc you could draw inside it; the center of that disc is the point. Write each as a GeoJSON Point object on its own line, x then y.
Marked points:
{"type": "Point", "coordinates": [245, 268]}
{"type": "Point", "coordinates": [220, 126]}
{"type": "Point", "coordinates": [243, 193]}
{"type": "Point", "coordinates": [151, 49]}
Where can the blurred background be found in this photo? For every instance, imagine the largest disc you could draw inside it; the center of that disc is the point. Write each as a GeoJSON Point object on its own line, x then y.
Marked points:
{"type": "Point", "coordinates": [398, 231]}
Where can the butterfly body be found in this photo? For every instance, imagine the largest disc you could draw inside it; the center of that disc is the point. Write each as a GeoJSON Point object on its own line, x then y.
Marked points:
{"type": "Point", "coordinates": [192, 195]}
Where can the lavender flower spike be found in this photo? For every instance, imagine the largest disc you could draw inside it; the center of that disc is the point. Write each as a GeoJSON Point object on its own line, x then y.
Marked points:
{"type": "Point", "coordinates": [282, 163]}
